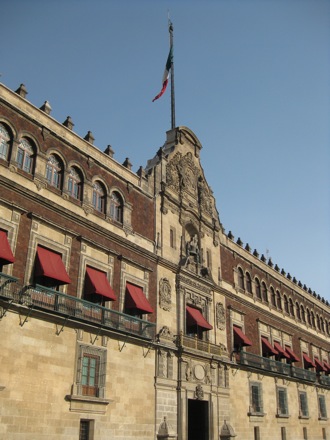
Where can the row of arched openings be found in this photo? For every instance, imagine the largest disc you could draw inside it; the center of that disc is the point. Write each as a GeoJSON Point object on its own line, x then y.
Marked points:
{"type": "Point", "coordinates": [55, 174]}
{"type": "Point", "coordinates": [281, 302]}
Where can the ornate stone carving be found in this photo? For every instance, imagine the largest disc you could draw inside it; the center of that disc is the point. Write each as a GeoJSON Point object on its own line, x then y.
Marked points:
{"type": "Point", "coordinates": [220, 316]}
{"type": "Point", "coordinates": [199, 392]}
{"type": "Point", "coordinates": [165, 296]}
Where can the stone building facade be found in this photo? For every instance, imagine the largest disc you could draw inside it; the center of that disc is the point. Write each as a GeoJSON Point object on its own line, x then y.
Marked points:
{"type": "Point", "coordinates": [128, 312]}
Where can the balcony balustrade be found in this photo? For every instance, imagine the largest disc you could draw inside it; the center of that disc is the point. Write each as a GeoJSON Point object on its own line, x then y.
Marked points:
{"type": "Point", "coordinates": [200, 345]}
{"type": "Point", "coordinates": [263, 363]}
{"type": "Point", "coordinates": [42, 298]}
{"type": "Point", "coordinates": [270, 365]}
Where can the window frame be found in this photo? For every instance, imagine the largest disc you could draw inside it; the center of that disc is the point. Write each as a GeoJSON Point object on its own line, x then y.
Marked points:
{"type": "Point", "coordinates": [303, 405]}
{"type": "Point", "coordinates": [5, 141]}
{"type": "Point", "coordinates": [25, 155]}
{"type": "Point", "coordinates": [89, 434]}
{"type": "Point", "coordinates": [96, 391]}
{"type": "Point", "coordinates": [282, 402]}
{"type": "Point", "coordinates": [99, 196]}
{"type": "Point", "coordinates": [322, 407]}
{"type": "Point", "coordinates": [256, 399]}
{"type": "Point", "coordinates": [75, 183]}
{"type": "Point", "coordinates": [117, 207]}
{"type": "Point", "coordinates": [54, 171]}
{"type": "Point", "coordinates": [240, 278]}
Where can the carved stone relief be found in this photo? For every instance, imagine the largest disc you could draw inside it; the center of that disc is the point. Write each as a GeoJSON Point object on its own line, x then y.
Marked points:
{"type": "Point", "coordinates": [165, 296]}
{"type": "Point", "coordinates": [185, 177]}
{"type": "Point", "coordinates": [220, 316]}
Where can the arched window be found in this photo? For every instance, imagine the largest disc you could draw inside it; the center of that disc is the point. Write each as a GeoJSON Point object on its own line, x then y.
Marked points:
{"type": "Point", "coordinates": [272, 297]}
{"type": "Point", "coordinates": [327, 327]}
{"type": "Point", "coordinates": [312, 319]}
{"type": "Point", "coordinates": [286, 304]}
{"type": "Point", "coordinates": [279, 300]}
{"type": "Point", "coordinates": [25, 154]}
{"type": "Point", "coordinates": [116, 207]}
{"type": "Point", "coordinates": [248, 282]}
{"type": "Point", "coordinates": [99, 197]}
{"type": "Point", "coordinates": [264, 292]}
{"type": "Point", "coordinates": [297, 310]}
{"type": "Point", "coordinates": [322, 324]}
{"type": "Point", "coordinates": [291, 307]}
{"type": "Point", "coordinates": [5, 142]}
{"type": "Point", "coordinates": [240, 278]}
{"type": "Point", "coordinates": [258, 289]}
{"type": "Point", "coordinates": [302, 313]}
{"type": "Point", "coordinates": [75, 184]}
{"type": "Point", "coordinates": [318, 322]}
{"type": "Point", "coordinates": [54, 171]}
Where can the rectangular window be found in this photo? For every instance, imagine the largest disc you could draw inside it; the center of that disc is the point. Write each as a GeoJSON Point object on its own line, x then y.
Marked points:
{"type": "Point", "coordinates": [324, 434]}
{"type": "Point", "coordinates": [86, 431]}
{"type": "Point", "coordinates": [322, 407]}
{"type": "Point", "coordinates": [208, 259]}
{"type": "Point", "coordinates": [172, 238]}
{"type": "Point", "coordinates": [256, 433]}
{"type": "Point", "coordinates": [303, 405]}
{"type": "Point", "coordinates": [283, 433]}
{"type": "Point", "coordinates": [256, 406]}
{"type": "Point", "coordinates": [91, 371]}
{"type": "Point", "coordinates": [305, 433]}
{"type": "Point", "coordinates": [282, 403]}
{"type": "Point", "coordinates": [90, 375]}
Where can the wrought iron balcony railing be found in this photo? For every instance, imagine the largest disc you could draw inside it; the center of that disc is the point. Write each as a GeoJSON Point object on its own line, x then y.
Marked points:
{"type": "Point", "coordinates": [270, 365]}
{"type": "Point", "coordinates": [253, 360]}
{"type": "Point", "coordinates": [40, 297]}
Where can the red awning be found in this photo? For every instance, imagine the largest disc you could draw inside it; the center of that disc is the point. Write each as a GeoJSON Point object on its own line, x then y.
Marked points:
{"type": "Point", "coordinates": [319, 365]}
{"type": "Point", "coordinates": [267, 346]}
{"type": "Point", "coordinates": [292, 354]}
{"type": "Point", "coordinates": [195, 317]}
{"type": "Point", "coordinates": [326, 366]}
{"type": "Point", "coordinates": [281, 351]}
{"type": "Point", "coordinates": [6, 255]}
{"type": "Point", "coordinates": [136, 299]}
{"type": "Point", "coordinates": [50, 265]}
{"type": "Point", "coordinates": [240, 338]}
{"type": "Point", "coordinates": [96, 282]}
{"type": "Point", "coordinates": [308, 361]}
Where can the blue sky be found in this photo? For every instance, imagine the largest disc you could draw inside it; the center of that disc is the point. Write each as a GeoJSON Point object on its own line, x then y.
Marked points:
{"type": "Point", "coordinates": [252, 80]}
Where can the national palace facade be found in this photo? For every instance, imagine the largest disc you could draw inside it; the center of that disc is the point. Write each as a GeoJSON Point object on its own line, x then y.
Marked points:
{"type": "Point", "coordinates": [127, 312]}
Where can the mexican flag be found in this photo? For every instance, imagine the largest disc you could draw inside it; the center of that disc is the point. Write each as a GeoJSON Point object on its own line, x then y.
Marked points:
{"type": "Point", "coordinates": [166, 74]}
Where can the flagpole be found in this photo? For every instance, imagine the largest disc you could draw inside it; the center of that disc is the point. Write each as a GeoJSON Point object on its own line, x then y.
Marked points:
{"type": "Point", "coordinates": [170, 29]}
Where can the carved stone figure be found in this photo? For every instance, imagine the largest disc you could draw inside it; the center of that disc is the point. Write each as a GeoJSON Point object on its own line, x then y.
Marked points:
{"type": "Point", "coordinates": [192, 248]}
{"type": "Point", "coordinates": [199, 392]}
{"type": "Point", "coordinates": [165, 297]}
{"type": "Point", "coordinates": [220, 316]}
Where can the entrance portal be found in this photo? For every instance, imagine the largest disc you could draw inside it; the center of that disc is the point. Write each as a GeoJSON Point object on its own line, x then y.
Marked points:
{"type": "Point", "coordinates": [198, 420]}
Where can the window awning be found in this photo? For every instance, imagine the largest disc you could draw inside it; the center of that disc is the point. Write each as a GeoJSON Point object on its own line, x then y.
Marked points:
{"type": "Point", "coordinates": [49, 264]}
{"type": "Point", "coordinates": [96, 282]}
{"type": "Point", "coordinates": [281, 351]}
{"type": "Point", "coordinates": [267, 346]}
{"type": "Point", "coordinates": [136, 299]}
{"type": "Point", "coordinates": [240, 338]}
{"type": "Point", "coordinates": [292, 354]}
{"type": "Point", "coordinates": [326, 366]}
{"type": "Point", "coordinates": [319, 366]}
{"type": "Point", "coordinates": [6, 255]}
{"type": "Point", "coordinates": [308, 361]}
{"type": "Point", "coordinates": [195, 317]}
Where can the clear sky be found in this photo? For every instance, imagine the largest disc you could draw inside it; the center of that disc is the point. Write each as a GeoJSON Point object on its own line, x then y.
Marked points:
{"type": "Point", "coordinates": [252, 81]}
